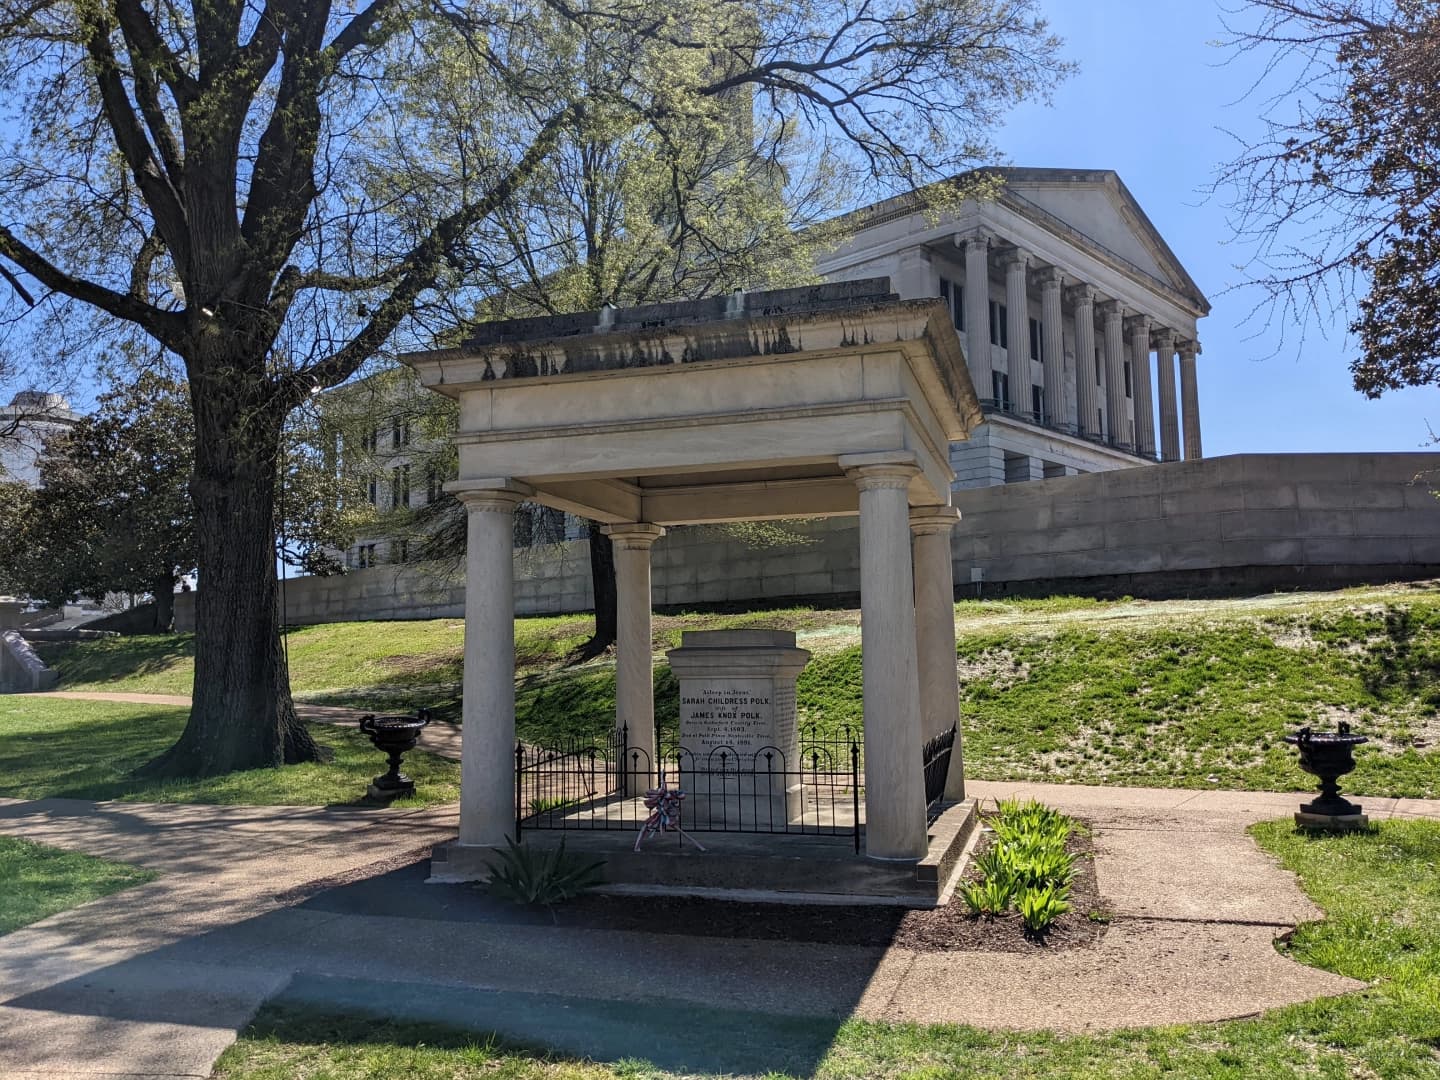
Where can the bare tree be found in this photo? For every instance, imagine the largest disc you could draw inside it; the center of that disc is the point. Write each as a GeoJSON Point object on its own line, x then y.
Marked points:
{"type": "Point", "coordinates": [252, 185]}
{"type": "Point", "coordinates": [1340, 197]}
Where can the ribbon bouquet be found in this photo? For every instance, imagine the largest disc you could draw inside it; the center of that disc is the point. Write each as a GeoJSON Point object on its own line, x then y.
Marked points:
{"type": "Point", "coordinates": [664, 803]}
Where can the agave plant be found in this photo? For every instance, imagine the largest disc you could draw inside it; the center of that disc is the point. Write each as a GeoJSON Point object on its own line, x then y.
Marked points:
{"type": "Point", "coordinates": [528, 876]}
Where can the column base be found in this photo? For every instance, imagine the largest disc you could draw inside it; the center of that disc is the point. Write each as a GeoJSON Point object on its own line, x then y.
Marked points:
{"type": "Point", "coordinates": [457, 862]}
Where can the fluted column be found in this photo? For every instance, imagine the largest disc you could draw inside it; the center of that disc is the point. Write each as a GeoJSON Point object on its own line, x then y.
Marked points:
{"type": "Point", "coordinates": [935, 632]}
{"type": "Point", "coordinates": [894, 772]}
{"type": "Point", "coordinates": [1190, 400]}
{"type": "Point", "coordinates": [634, 654]}
{"type": "Point", "coordinates": [1115, 411]}
{"type": "Point", "coordinates": [977, 311]}
{"type": "Point", "coordinates": [1139, 328]}
{"type": "Point", "coordinates": [1053, 345]}
{"type": "Point", "coordinates": [1164, 341]}
{"type": "Point", "coordinates": [1082, 297]}
{"type": "Point", "coordinates": [487, 756]}
{"type": "Point", "coordinates": [1017, 301]}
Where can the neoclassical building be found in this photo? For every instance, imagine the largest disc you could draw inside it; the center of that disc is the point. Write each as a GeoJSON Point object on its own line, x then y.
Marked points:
{"type": "Point", "coordinates": [1073, 311]}
{"type": "Point", "coordinates": [31, 417]}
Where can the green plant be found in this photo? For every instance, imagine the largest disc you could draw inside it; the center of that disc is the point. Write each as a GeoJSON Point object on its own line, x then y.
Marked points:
{"type": "Point", "coordinates": [543, 804]}
{"type": "Point", "coordinates": [988, 897]}
{"type": "Point", "coordinates": [1039, 908]}
{"type": "Point", "coordinates": [528, 876]}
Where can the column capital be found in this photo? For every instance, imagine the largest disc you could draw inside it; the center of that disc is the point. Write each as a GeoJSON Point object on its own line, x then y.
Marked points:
{"type": "Point", "coordinates": [1188, 348]}
{"type": "Point", "coordinates": [1081, 294]}
{"type": "Point", "coordinates": [873, 475]}
{"type": "Point", "coordinates": [925, 520]}
{"type": "Point", "coordinates": [1138, 324]}
{"type": "Point", "coordinates": [1014, 257]}
{"type": "Point", "coordinates": [633, 535]}
{"type": "Point", "coordinates": [490, 496]}
{"type": "Point", "coordinates": [973, 238]}
{"type": "Point", "coordinates": [1163, 339]}
{"type": "Point", "coordinates": [1049, 277]}
{"type": "Point", "coordinates": [1111, 309]}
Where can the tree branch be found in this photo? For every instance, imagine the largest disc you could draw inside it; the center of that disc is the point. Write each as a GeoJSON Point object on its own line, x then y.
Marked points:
{"type": "Point", "coordinates": [165, 327]}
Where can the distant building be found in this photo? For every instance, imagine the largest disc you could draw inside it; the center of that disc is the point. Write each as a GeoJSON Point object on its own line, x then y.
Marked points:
{"type": "Point", "coordinates": [1072, 310]}
{"type": "Point", "coordinates": [26, 423]}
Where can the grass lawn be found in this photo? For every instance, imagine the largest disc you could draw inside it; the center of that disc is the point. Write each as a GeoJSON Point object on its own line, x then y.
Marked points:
{"type": "Point", "coordinates": [1380, 892]}
{"type": "Point", "coordinates": [38, 881]}
{"type": "Point", "coordinates": [1172, 693]}
{"type": "Point", "coordinates": [86, 749]}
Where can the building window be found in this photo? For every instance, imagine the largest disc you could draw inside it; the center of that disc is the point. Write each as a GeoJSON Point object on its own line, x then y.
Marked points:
{"type": "Point", "coordinates": [370, 441]}
{"type": "Point", "coordinates": [1128, 392]}
{"type": "Point", "coordinates": [999, 325]}
{"type": "Point", "coordinates": [1037, 342]}
{"type": "Point", "coordinates": [1037, 403]}
{"type": "Point", "coordinates": [400, 487]}
{"type": "Point", "coordinates": [1000, 388]}
{"type": "Point", "coordinates": [400, 551]}
{"type": "Point", "coordinates": [955, 300]}
{"type": "Point", "coordinates": [373, 491]}
{"type": "Point", "coordinates": [434, 486]}
{"type": "Point", "coordinates": [365, 556]}
{"type": "Point", "coordinates": [399, 432]}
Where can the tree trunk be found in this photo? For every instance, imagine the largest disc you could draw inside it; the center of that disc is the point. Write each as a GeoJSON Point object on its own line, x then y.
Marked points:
{"type": "Point", "coordinates": [164, 592]}
{"type": "Point", "coordinates": [602, 580]}
{"type": "Point", "coordinates": [241, 714]}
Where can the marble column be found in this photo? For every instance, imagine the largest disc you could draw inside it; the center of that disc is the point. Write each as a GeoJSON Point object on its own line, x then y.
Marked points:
{"type": "Point", "coordinates": [1190, 400]}
{"type": "Point", "coordinates": [1017, 301]}
{"type": "Point", "coordinates": [935, 632]}
{"type": "Point", "coordinates": [894, 772]}
{"type": "Point", "coordinates": [1082, 298]}
{"type": "Point", "coordinates": [977, 312]}
{"type": "Point", "coordinates": [1144, 392]}
{"type": "Point", "coordinates": [487, 757]}
{"type": "Point", "coordinates": [1164, 341]}
{"type": "Point", "coordinates": [1053, 345]}
{"type": "Point", "coordinates": [1116, 412]}
{"type": "Point", "coordinates": [634, 652]}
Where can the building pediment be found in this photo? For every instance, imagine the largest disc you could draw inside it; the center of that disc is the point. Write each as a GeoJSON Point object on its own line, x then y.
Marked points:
{"type": "Point", "coordinates": [1093, 209]}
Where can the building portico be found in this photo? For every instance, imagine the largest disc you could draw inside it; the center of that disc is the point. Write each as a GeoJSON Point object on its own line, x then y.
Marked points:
{"type": "Point", "coordinates": [1072, 308]}
{"type": "Point", "coordinates": [823, 401]}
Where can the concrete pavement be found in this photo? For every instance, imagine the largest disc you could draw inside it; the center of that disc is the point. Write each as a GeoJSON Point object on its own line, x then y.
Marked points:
{"type": "Point", "coordinates": [328, 907]}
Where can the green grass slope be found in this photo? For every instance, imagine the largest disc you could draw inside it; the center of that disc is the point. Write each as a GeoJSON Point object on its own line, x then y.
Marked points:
{"type": "Point", "coordinates": [1174, 693]}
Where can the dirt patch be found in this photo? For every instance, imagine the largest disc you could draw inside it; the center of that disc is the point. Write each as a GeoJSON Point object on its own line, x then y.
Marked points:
{"type": "Point", "coordinates": [948, 929]}
{"type": "Point", "coordinates": [998, 667]}
{"type": "Point", "coordinates": [423, 663]}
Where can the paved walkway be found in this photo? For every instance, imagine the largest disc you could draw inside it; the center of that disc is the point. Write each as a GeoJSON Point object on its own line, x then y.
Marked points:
{"type": "Point", "coordinates": [328, 907]}
{"type": "Point", "coordinates": [258, 902]}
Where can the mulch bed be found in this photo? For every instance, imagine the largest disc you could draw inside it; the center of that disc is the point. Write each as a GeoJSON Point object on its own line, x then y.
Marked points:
{"type": "Point", "coordinates": [950, 928]}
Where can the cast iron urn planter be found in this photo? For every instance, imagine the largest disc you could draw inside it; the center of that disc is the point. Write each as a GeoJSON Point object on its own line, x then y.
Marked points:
{"type": "Point", "coordinates": [1328, 755]}
{"type": "Point", "coordinates": [393, 735]}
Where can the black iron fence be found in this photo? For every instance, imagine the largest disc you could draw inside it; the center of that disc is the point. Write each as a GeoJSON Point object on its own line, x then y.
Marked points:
{"type": "Point", "coordinates": [936, 756]}
{"type": "Point", "coordinates": [599, 784]}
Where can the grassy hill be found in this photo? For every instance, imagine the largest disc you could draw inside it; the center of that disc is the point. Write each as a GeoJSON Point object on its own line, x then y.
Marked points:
{"type": "Point", "coordinates": [1172, 693]}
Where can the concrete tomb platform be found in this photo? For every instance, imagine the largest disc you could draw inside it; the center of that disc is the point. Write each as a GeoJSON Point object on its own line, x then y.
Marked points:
{"type": "Point", "coordinates": [791, 868]}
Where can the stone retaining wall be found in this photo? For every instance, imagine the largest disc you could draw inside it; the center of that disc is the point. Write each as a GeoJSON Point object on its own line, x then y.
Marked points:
{"type": "Point", "coordinates": [1247, 522]}
{"type": "Point", "coordinates": [21, 671]}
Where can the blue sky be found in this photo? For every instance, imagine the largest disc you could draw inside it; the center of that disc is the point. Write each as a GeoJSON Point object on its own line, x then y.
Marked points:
{"type": "Point", "coordinates": [1150, 100]}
